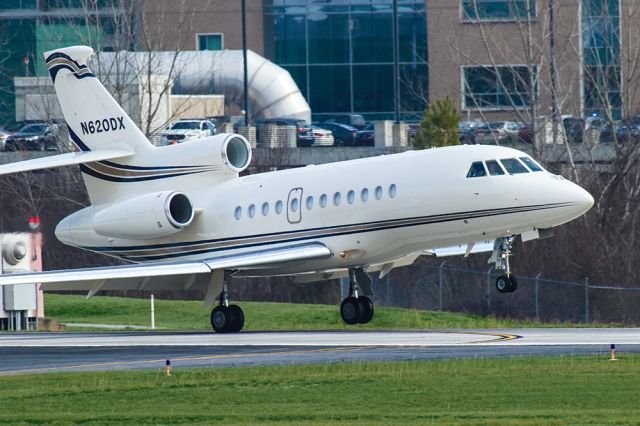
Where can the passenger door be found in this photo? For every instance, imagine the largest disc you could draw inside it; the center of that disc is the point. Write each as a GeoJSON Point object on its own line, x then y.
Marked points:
{"type": "Point", "coordinates": [294, 205]}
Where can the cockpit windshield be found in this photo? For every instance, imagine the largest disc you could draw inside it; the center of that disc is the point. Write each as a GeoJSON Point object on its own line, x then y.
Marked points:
{"type": "Point", "coordinates": [532, 165]}
{"type": "Point", "coordinates": [513, 166]}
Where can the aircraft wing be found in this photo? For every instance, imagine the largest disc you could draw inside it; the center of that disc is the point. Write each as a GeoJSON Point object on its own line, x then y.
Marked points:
{"type": "Point", "coordinates": [67, 159]}
{"type": "Point", "coordinates": [188, 275]}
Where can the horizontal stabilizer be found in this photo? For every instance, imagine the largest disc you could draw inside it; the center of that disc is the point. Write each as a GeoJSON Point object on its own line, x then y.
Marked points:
{"type": "Point", "coordinates": [68, 159]}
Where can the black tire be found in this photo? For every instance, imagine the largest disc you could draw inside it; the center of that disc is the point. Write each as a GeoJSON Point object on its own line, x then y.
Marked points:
{"type": "Point", "coordinates": [366, 309]}
{"type": "Point", "coordinates": [41, 146]}
{"type": "Point", "coordinates": [237, 318]}
{"type": "Point", "coordinates": [221, 319]}
{"type": "Point", "coordinates": [350, 310]}
{"type": "Point", "coordinates": [513, 283]}
{"type": "Point", "coordinates": [503, 283]}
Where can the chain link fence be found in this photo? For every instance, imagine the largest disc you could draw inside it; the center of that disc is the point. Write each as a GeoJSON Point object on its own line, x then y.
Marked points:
{"type": "Point", "coordinates": [462, 290]}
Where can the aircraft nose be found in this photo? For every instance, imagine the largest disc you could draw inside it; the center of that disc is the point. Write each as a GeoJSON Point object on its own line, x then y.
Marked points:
{"type": "Point", "coordinates": [584, 201]}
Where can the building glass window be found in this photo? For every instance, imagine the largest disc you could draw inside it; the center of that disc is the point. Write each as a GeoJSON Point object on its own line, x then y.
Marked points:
{"type": "Point", "coordinates": [210, 41]}
{"type": "Point", "coordinates": [601, 47]}
{"type": "Point", "coordinates": [500, 87]}
{"type": "Point", "coordinates": [340, 54]}
{"type": "Point", "coordinates": [498, 10]}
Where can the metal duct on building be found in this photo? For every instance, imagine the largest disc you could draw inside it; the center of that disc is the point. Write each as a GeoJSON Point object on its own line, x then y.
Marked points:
{"type": "Point", "coordinates": [272, 91]}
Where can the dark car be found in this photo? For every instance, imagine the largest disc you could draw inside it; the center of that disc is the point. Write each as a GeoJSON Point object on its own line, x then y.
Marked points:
{"type": "Point", "coordinates": [343, 135]}
{"type": "Point", "coordinates": [365, 137]}
{"type": "Point", "coordinates": [353, 120]}
{"type": "Point", "coordinates": [304, 134]}
{"type": "Point", "coordinates": [35, 136]}
{"type": "Point", "coordinates": [624, 132]}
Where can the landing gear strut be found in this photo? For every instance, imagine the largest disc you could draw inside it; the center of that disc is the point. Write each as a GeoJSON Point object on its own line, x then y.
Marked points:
{"type": "Point", "coordinates": [226, 318]}
{"type": "Point", "coordinates": [507, 282]}
{"type": "Point", "coordinates": [356, 308]}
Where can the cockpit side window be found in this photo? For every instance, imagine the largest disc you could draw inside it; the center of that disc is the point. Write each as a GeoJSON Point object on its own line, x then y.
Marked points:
{"type": "Point", "coordinates": [513, 166]}
{"type": "Point", "coordinates": [531, 164]}
{"type": "Point", "coordinates": [476, 170]}
{"type": "Point", "coordinates": [494, 168]}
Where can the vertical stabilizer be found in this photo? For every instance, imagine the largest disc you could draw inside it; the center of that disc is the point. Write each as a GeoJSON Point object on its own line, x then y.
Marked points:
{"type": "Point", "coordinates": [94, 118]}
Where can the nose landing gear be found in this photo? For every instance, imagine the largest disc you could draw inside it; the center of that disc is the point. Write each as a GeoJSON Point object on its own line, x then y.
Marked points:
{"type": "Point", "coordinates": [357, 308]}
{"type": "Point", "coordinates": [507, 282]}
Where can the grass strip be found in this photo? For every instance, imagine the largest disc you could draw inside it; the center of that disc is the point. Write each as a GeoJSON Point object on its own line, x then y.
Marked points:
{"type": "Point", "coordinates": [515, 391]}
{"type": "Point", "coordinates": [190, 315]}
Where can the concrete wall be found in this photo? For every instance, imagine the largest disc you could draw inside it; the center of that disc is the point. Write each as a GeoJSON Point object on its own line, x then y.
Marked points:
{"type": "Point", "coordinates": [196, 106]}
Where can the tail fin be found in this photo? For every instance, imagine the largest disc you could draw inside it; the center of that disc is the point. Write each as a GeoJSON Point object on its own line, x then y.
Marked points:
{"type": "Point", "coordinates": [95, 119]}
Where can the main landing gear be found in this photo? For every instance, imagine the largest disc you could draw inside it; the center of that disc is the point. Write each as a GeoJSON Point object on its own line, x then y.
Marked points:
{"type": "Point", "coordinates": [357, 308]}
{"type": "Point", "coordinates": [227, 318]}
{"type": "Point", "coordinates": [507, 282]}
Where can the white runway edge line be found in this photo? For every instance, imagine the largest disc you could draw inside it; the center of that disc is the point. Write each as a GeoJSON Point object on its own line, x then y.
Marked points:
{"type": "Point", "coordinates": [494, 337]}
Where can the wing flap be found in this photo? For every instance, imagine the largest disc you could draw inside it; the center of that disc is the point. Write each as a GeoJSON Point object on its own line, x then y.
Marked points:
{"type": "Point", "coordinates": [463, 249]}
{"type": "Point", "coordinates": [165, 276]}
{"type": "Point", "coordinates": [68, 159]}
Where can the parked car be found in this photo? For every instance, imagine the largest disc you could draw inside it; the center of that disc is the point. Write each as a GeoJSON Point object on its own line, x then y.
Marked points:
{"type": "Point", "coordinates": [624, 132]}
{"type": "Point", "coordinates": [344, 135]}
{"type": "Point", "coordinates": [321, 137]}
{"type": "Point", "coordinates": [466, 129]}
{"type": "Point", "coordinates": [35, 136]}
{"type": "Point", "coordinates": [185, 130]}
{"type": "Point", "coordinates": [497, 132]}
{"type": "Point", "coordinates": [304, 136]}
{"type": "Point", "coordinates": [365, 137]}
{"type": "Point", "coordinates": [353, 120]}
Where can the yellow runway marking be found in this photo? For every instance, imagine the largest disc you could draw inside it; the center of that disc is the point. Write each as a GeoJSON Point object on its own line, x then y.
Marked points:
{"type": "Point", "coordinates": [162, 361]}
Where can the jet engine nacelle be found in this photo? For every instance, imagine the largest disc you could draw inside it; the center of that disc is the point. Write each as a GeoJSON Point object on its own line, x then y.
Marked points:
{"type": "Point", "coordinates": [230, 150]}
{"type": "Point", "coordinates": [147, 216]}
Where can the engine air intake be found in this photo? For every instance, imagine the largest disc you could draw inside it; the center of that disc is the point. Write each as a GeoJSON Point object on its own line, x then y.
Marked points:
{"type": "Point", "coordinates": [236, 153]}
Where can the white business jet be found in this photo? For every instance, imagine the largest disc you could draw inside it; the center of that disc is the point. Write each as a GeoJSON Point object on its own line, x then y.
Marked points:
{"type": "Point", "coordinates": [187, 221]}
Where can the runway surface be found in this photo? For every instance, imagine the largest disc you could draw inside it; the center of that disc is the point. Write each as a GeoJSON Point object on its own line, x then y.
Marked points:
{"type": "Point", "coordinates": [45, 352]}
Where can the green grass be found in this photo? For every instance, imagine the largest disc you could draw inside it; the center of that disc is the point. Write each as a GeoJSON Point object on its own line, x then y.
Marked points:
{"type": "Point", "coordinates": [190, 315]}
{"type": "Point", "coordinates": [517, 391]}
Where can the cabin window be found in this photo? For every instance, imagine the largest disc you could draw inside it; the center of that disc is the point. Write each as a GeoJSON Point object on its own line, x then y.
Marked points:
{"type": "Point", "coordinates": [513, 166]}
{"type": "Point", "coordinates": [252, 210]}
{"type": "Point", "coordinates": [364, 195]}
{"type": "Point", "coordinates": [279, 206]}
{"type": "Point", "coordinates": [378, 192]}
{"type": "Point", "coordinates": [494, 168]}
{"type": "Point", "coordinates": [351, 197]}
{"type": "Point", "coordinates": [531, 164]}
{"type": "Point", "coordinates": [393, 190]}
{"type": "Point", "coordinates": [309, 203]}
{"type": "Point", "coordinates": [238, 213]}
{"type": "Point", "coordinates": [265, 209]}
{"type": "Point", "coordinates": [476, 170]}
{"type": "Point", "coordinates": [294, 205]}
{"type": "Point", "coordinates": [323, 200]}
{"type": "Point", "coordinates": [336, 199]}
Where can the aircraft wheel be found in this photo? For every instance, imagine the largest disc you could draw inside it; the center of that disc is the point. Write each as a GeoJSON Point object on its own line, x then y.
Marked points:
{"type": "Point", "coordinates": [221, 319]}
{"type": "Point", "coordinates": [366, 309]}
{"type": "Point", "coordinates": [350, 310]}
{"type": "Point", "coordinates": [237, 318]}
{"type": "Point", "coordinates": [503, 283]}
{"type": "Point", "coordinates": [514, 283]}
